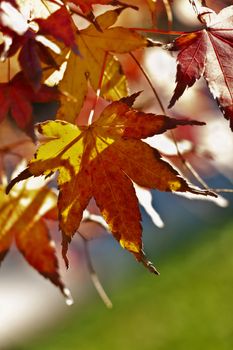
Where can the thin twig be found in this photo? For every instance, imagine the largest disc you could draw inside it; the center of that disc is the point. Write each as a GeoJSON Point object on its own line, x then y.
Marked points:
{"type": "Point", "coordinates": [196, 5]}
{"type": "Point", "coordinates": [221, 190]}
{"type": "Point", "coordinates": [169, 13]}
{"type": "Point", "coordinates": [146, 76]}
{"type": "Point", "coordinates": [46, 6]}
{"type": "Point", "coordinates": [187, 164]}
{"type": "Point", "coordinates": [58, 3]}
{"type": "Point", "coordinates": [95, 280]}
{"type": "Point", "coordinates": [157, 31]}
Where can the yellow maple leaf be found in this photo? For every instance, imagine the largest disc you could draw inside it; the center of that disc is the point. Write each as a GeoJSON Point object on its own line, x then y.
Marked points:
{"type": "Point", "coordinates": [95, 48]}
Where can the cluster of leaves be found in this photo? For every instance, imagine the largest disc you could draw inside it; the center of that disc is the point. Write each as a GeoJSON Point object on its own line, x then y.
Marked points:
{"type": "Point", "coordinates": [58, 61]}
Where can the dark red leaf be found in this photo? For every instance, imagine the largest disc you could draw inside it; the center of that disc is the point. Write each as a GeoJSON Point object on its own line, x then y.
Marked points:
{"type": "Point", "coordinates": [17, 97]}
{"type": "Point", "coordinates": [208, 53]}
{"type": "Point", "coordinates": [59, 25]}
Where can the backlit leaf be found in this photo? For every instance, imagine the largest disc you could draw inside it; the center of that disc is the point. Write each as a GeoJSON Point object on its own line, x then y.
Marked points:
{"type": "Point", "coordinates": [208, 53]}
{"type": "Point", "coordinates": [21, 220]}
{"type": "Point", "coordinates": [94, 46]}
{"type": "Point", "coordinates": [101, 161]}
{"type": "Point", "coordinates": [59, 25]}
{"type": "Point", "coordinates": [17, 97]}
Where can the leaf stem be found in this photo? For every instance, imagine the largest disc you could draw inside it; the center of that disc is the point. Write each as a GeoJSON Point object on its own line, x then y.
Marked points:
{"type": "Point", "coordinates": [196, 5]}
{"type": "Point", "coordinates": [58, 3]}
{"type": "Point", "coordinates": [46, 6]}
{"type": "Point", "coordinates": [221, 190]}
{"type": "Point", "coordinates": [157, 31]}
{"type": "Point", "coordinates": [92, 112]}
{"type": "Point", "coordinates": [169, 13]}
{"type": "Point", "coordinates": [94, 277]}
{"type": "Point", "coordinates": [146, 76]}
{"type": "Point", "coordinates": [188, 166]}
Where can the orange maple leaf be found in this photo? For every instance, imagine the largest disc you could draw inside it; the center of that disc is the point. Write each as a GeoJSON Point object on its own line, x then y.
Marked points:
{"type": "Point", "coordinates": [101, 161]}
{"type": "Point", "coordinates": [22, 216]}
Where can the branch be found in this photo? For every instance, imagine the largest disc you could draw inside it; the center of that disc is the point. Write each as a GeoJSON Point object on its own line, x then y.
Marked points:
{"type": "Point", "coordinates": [149, 82]}
{"type": "Point", "coordinates": [196, 5]}
{"type": "Point", "coordinates": [169, 13]}
{"type": "Point", "coordinates": [186, 163]}
{"type": "Point", "coordinates": [95, 280]}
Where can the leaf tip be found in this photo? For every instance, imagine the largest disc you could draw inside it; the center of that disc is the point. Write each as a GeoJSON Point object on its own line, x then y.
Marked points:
{"type": "Point", "coordinates": [148, 264]}
{"type": "Point", "coordinates": [129, 100]}
{"type": "Point", "coordinates": [141, 257]}
{"type": "Point", "coordinates": [22, 176]}
{"type": "Point", "coordinates": [65, 242]}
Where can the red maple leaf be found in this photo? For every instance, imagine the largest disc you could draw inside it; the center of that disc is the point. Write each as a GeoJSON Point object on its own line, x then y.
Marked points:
{"type": "Point", "coordinates": [208, 53]}
{"type": "Point", "coordinates": [32, 53]}
{"type": "Point", "coordinates": [17, 97]}
{"type": "Point", "coordinates": [59, 25]}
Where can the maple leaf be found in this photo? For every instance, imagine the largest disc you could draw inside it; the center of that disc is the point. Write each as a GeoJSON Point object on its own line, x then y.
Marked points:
{"type": "Point", "coordinates": [33, 44]}
{"type": "Point", "coordinates": [59, 25]}
{"type": "Point", "coordinates": [94, 46]}
{"type": "Point", "coordinates": [17, 97]}
{"type": "Point", "coordinates": [18, 35]}
{"type": "Point", "coordinates": [86, 5]}
{"type": "Point", "coordinates": [32, 55]}
{"type": "Point", "coordinates": [208, 53]}
{"type": "Point", "coordinates": [99, 161]}
{"type": "Point", "coordinates": [22, 216]}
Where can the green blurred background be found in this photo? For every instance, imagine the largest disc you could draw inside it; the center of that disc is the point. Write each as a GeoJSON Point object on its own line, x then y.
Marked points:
{"type": "Point", "coordinates": [189, 306]}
